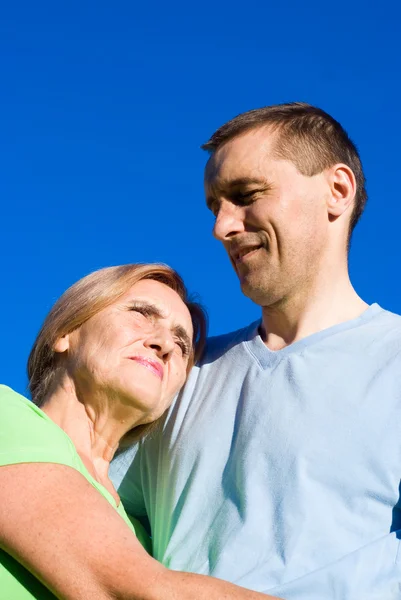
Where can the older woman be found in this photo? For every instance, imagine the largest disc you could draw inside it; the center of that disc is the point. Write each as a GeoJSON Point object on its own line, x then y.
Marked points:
{"type": "Point", "coordinates": [110, 357]}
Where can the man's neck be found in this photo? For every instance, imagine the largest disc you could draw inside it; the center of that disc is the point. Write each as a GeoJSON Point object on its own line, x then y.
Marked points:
{"type": "Point", "coordinates": [310, 311]}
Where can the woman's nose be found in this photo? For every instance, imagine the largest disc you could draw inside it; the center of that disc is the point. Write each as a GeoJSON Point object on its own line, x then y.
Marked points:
{"type": "Point", "coordinates": [162, 343]}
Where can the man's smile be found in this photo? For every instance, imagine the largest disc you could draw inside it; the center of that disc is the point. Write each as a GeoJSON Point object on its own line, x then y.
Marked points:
{"type": "Point", "coordinates": [241, 254]}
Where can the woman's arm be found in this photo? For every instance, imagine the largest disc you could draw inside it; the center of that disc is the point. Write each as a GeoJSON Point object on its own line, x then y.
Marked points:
{"type": "Point", "coordinates": [62, 530]}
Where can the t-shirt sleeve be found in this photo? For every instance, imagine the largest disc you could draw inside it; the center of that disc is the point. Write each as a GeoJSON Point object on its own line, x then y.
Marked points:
{"type": "Point", "coordinates": [126, 475]}
{"type": "Point", "coordinates": [28, 435]}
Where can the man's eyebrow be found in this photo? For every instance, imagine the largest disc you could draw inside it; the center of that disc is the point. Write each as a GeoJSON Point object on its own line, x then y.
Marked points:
{"type": "Point", "coordinates": [244, 181]}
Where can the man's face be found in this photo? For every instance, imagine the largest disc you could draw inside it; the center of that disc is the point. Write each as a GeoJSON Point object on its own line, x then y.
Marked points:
{"type": "Point", "coordinates": [272, 220]}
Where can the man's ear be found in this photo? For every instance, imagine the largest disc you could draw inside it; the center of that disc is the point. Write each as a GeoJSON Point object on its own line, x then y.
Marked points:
{"type": "Point", "coordinates": [62, 344]}
{"type": "Point", "coordinates": [342, 190]}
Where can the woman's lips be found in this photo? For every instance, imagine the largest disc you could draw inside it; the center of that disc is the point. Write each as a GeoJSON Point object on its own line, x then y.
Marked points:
{"type": "Point", "coordinates": [150, 364]}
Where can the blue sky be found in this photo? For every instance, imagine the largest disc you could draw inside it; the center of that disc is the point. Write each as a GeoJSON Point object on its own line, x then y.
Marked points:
{"type": "Point", "coordinates": [103, 109]}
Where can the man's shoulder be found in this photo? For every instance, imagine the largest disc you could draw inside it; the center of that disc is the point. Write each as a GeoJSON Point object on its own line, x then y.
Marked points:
{"type": "Point", "coordinates": [376, 333]}
{"type": "Point", "coordinates": [390, 317]}
{"type": "Point", "coordinates": [386, 322]}
{"type": "Point", "coordinates": [219, 345]}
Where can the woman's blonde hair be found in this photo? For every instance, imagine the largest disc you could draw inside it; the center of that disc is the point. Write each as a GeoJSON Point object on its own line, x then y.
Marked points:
{"type": "Point", "coordinates": [86, 298]}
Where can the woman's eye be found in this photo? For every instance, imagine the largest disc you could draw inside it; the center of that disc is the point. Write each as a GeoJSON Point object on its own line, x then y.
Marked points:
{"type": "Point", "coordinates": [183, 347]}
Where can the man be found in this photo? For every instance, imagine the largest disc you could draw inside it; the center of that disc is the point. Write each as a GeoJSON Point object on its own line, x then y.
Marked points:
{"type": "Point", "coordinates": [278, 468]}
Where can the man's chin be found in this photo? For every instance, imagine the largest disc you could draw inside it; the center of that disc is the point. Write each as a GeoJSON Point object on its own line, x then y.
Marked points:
{"type": "Point", "coordinates": [251, 290]}
{"type": "Point", "coordinates": [259, 294]}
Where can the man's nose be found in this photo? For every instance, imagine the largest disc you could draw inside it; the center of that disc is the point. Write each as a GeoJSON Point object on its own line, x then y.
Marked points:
{"type": "Point", "coordinates": [229, 221]}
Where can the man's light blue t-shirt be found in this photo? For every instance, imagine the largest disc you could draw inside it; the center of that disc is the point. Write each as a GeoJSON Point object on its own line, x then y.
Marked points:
{"type": "Point", "coordinates": [280, 471]}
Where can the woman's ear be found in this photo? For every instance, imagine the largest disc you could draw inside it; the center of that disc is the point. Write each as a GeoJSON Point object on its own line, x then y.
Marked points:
{"type": "Point", "coordinates": [62, 344]}
{"type": "Point", "coordinates": [343, 189]}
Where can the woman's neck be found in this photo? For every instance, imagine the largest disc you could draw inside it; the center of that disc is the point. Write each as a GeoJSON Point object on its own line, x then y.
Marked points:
{"type": "Point", "coordinates": [94, 431]}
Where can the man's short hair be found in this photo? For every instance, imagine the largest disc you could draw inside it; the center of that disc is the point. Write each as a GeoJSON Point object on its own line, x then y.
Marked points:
{"type": "Point", "coordinates": [307, 136]}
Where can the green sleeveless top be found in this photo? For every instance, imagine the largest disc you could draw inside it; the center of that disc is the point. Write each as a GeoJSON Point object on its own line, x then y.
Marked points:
{"type": "Point", "coordinates": [28, 435]}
